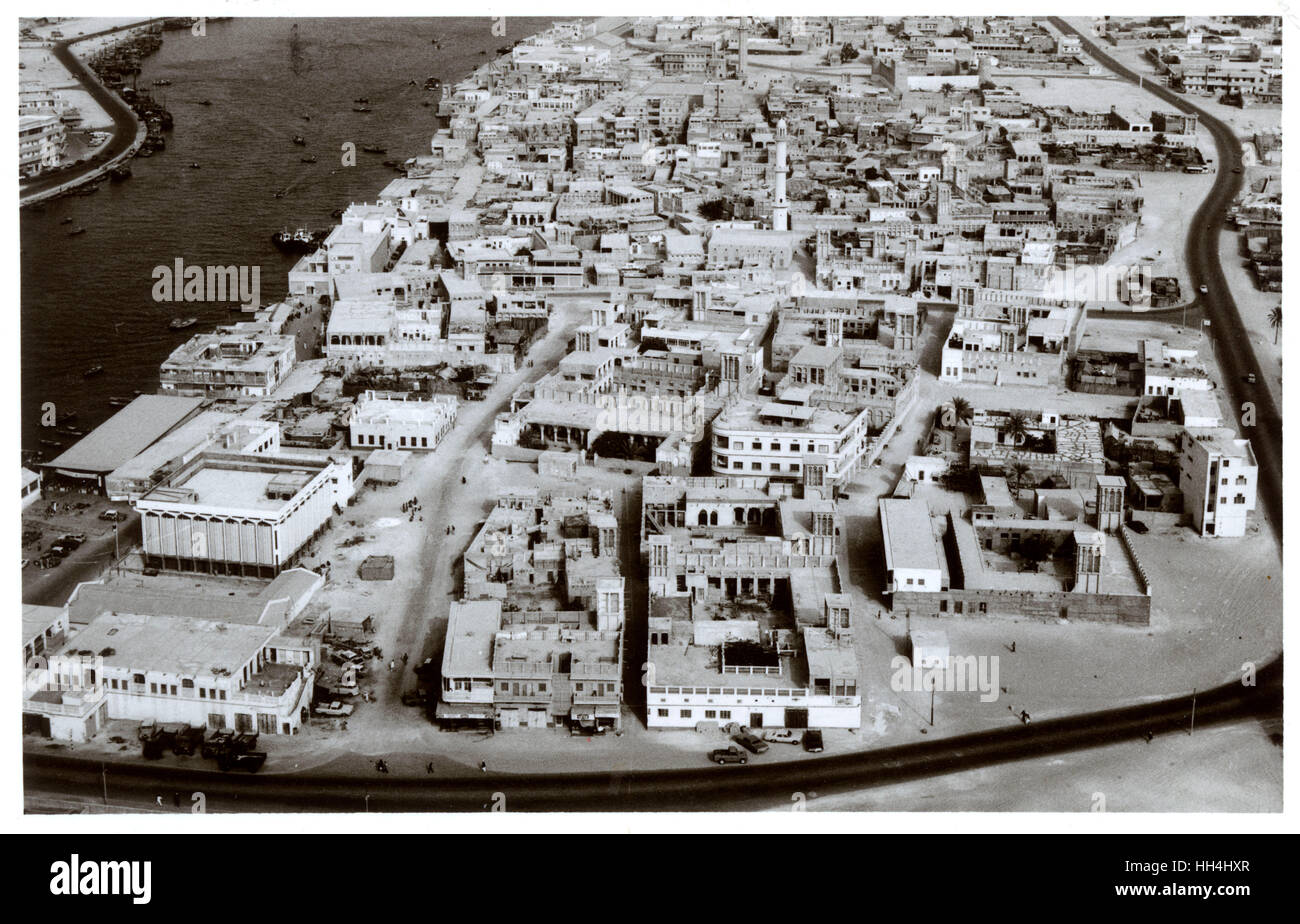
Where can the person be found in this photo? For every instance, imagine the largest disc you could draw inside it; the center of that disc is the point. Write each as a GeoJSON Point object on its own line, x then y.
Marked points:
{"type": "Point", "coordinates": [428, 768]}
{"type": "Point", "coordinates": [462, 479]}
{"type": "Point", "coordinates": [1013, 647]}
{"type": "Point", "coordinates": [176, 799]}
{"type": "Point", "coordinates": [1150, 735]}
{"type": "Point", "coordinates": [482, 765]}
{"type": "Point", "coordinates": [158, 799]}
{"type": "Point", "coordinates": [404, 657]}
{"type": "Point", "coordinates": [392, 664]}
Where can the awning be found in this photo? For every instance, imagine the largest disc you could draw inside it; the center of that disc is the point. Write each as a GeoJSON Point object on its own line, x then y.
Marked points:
{"type": "Point", "coordinates": [465, 711]}
{"type": "Point", "coordinates": [589, 714]}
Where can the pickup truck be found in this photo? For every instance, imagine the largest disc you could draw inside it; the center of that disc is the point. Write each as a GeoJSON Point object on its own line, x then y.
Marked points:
{"type": "Point", "coordinates": [335, 709]}
{"type": "Point", "coordinates": [729, 755]}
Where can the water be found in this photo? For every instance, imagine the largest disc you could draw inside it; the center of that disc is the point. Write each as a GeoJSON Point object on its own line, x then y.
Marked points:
{"type": "Point", "coordinates": [87, 300]}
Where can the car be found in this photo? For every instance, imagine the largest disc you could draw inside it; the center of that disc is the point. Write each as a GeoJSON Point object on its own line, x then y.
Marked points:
{"type": "Point", "coordinates": [150, 572]}
{"type": "Point", "coordinates": [1236, 170]}
{"type": "Point", "coordinates": [250, 761]}
{"type": "Point", "coordinates": [812, 741]}
{"type": "Point", "coordinates": [113, 516]}
{"type": "Point", "coordinates": [344, 690]}
{"type": "Point", "coordinates": [751, 742]}
{"type": "Point", "coordinates": [729, 755]}
{"type": "Point", "coordinates": [781, 736]}
{"type": "Point", "coordinates": [1138, 526]}
{"type": "Point", "coordinates": [1203, 289]}
{"type": "Point", "coordinates": [335, 709]}
{"type": "Point", "coordinates": [415, 698]}
{"type": "Point", "coordinates": [1250, 378]}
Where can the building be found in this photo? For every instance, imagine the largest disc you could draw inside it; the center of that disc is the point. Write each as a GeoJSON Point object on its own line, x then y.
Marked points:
{"type": "Point", "coordinates": [1219, 477]}
{"type": "Point", "coordinates": [238, 360]}
{"type": "Point", "coordinates": [398, 423]}
{"type": "Point", "coordinates": [245, 514]}
{"type": "Point", "coordinates": [911, 559]}
{"type": "Point", "coordinates": [42, 140]}
{"type": "Point", "coordinates": [140, 667]}
{"type": "Point", "coordinates": [31, 488]}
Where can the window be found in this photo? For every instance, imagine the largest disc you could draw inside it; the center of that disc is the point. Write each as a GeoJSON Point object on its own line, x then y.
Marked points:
{"type": "Point", "coordinates": [686, 713]}
{"type": "Point", "coordinates": [724, 713]}
{"type": "Point", "coordinates": [203, 694]}
{"type": "Point", "coordinates": [663, 713]}
{"type": "Point", "coordinates": [153, 688]}
{"type": "Point", "coordinates": [223, 694]}
{"type": "Point", "coordinates": [187, 684]}
{"type": "Point", "coordinates": [710, 713]}
{"type": "Point", "coordinates": [173, 689]}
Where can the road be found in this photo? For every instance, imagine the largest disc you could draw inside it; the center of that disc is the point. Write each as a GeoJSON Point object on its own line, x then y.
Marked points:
{"type": "Point", "coordinates": [762, 783]}
{"type": "Point", "coordinates": [124, 120]}
{"type": "Point", "coordinates": [1228, 333]}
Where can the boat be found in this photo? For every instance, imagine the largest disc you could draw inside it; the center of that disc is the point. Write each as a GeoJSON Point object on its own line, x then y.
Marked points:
{"type": "Point", "coordinates": [299, 140]}
{"type": "Point", "coordinates": [309, 159]}
{"type": "Point", "coordinates": [71, 431]}
{"type": "Point", "coordinates": [119, 173]}
{"type": "Point", "coordinates": [162, 82]}
{"type": "Point", "coordinates": [66, 221]}
{"type": "Point", "coordinates": [432, 83]}
{"type": "Point", "coordinates": [305, 117]}
{"type": "Point", "coordinates": [360, 108]}
{"type": "Point", "coordinates": [53, 444]}
{"type": "Point", "coordinates": [362, 99]}
{"type": "Point", "coordinates": [337, 213]}
{"type": "Point", "coordinates": [182, 323]}
{"type": "Point", "coordinates": [88, 190]}
{"type": "Point", "coordinates": [117, 401]}
{"type": "Point", "coordinates": [196, 166]}
{"type": "Point", "coordinates": [205, 102]}
{"type": "Point", "coordinates": [93, 371]}
{"type": "Point", "coordinates": [299, 241]}
{"type": "Point", "coordinates": [374, 149]}
{"type": "Point", "coordinates": [75, 231]}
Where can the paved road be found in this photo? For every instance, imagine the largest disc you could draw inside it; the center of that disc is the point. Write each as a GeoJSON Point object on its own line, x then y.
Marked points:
{"type": "Point", "coordinates": [1228, 332]}
{"type": "Point", "coordinates": [53, 586]}
{"type": "Point", "coordinates": [764, 783]}
{"type": "Point", "coordinates": [124, 120]}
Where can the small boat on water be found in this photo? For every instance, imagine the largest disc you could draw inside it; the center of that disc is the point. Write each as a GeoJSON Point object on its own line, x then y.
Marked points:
{"type": "Point", "coordinates": [374, 149]}
{"type": "Point", "coordinates": [299, 241]}
{"type": "Point", "coordinates": [117, 401]}
{"type": "Point", "coordinates": [66, 221]}
{"type": "Point", "coordinates": [299, 140]}
{"type": "Point", "coordinates": [75, 231]}
{"type": "Point", "coordinates": [309, 159]}
{"type": "Point", "coordinates": [196, 166]}
{"type": "Point", "coordinates": [71, 431]}
{"type": "Point", "coordinates": [205, 102]}
{"type": "Point", "coordinates": [362, 99]}
{"type": "Point", "coordinates": [162, 82]}
{"type": "Point", "coordinates": [53, 444]}
{"type": "Point", "coordinates": [337, 213]}
{"type": "Point", "coordinates": [360, 108]}
{"type": "Point", "coordinates": [88, 190]}
{"type": "Point", "coordinates": [119, 173]}
{"type": "Point", "coordinates": [93, 371]}
{"type": "Point", "coordinates": [182, 323]}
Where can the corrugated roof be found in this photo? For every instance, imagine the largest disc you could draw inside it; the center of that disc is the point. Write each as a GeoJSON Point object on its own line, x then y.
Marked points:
{"type": "Point", "coordinates": [127, 433]}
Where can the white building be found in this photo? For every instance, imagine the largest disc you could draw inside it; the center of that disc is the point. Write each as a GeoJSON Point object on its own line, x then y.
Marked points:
{"type": "Point", "coordinates": [791, 441]}
{"type": "Point", "coordinates": [1218, 476]}
{"type": "Point", "coordinates": [911, 562]}
{"type": "Point", "coordinates": [231, 513]}
{"type": "Point", "coordinates": [172, 669]}
{"type": "Point", "coordinates": [31, 488]}
{"type": "Point", "coordinates": [395, 423]}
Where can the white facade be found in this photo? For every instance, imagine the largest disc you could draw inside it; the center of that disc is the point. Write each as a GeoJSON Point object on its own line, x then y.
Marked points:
{"type": "Point", "coordinates": [1219, 477]}
{"type": "Point", "coordinates": [394, 423]}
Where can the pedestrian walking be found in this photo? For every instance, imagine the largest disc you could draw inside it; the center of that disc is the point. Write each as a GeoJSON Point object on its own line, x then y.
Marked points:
{"type": "Point", "coordinates": [391, 665]}
{"type": "Point", "coordinates": [428, 768]}
{"type": "Point", "coordinates": [1013, 647]}
{"type": "Point", "coordinates": [1150, 735]}
{"type": "Point", "coordinates": [482, 765]}
{"type": "Point", "coordinates": [404, 658]}
{"type": "Point", "coordinates": [158, 799]}
{"type": "Point", "coordinates": [176, 799]}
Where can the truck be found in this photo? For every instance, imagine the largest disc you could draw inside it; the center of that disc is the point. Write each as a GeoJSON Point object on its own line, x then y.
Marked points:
{"type": "Point", "coordinates": [187, 740]}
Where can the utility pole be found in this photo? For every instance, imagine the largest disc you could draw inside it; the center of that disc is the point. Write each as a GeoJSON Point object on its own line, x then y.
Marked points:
{"type": "Point", "coordinates": [103, 775]}
{"type": "Point", "coordinates": [1192, 727]}
{"type": "Point", "coordinates": [932, 689]}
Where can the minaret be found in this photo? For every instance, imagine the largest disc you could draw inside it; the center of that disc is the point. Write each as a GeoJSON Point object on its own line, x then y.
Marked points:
{"type": "Point", "coordinates": [743, 54]}
{"type": "Point", "coordinates": [780, 208]}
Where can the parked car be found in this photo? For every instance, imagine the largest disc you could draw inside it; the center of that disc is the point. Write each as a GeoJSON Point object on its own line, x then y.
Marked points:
{"type": "Point", "coordinates": [781, 736]}
{"type": "Point", "coordinates": [415, 698]}
{"type": "Point", "coordinates": [751, 742]}
{"type": "Point", "coordinates": [113, 516]}
{"type": "Point", "coordinates": [1138, 526]}
{"type": "Point", "coordinates": [340, 689]}
{"type": "Point", "coordinates": [1203, 289]}
{"type": "Point", "coordinates": [250, 762]}
{"type": "Point", "coordinates": [729, 755]}
{"type": "Point", "coordinates": [335, 708]}
{"type": "Point", "coordinates": [812, 741]}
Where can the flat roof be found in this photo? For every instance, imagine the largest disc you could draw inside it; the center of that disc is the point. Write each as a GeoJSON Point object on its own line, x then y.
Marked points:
{"type": "Point", "coordinates": [909, 538]}
{"type": "Point", "coordinates": [171, 644]}
{"type": "Point", "coordinates": [471, 630]}
{"type": "Point", "coordinates": [127, 433]}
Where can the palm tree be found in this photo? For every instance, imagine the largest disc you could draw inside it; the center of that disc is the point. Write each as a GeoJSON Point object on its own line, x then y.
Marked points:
{"type": "Point", "coordinates": [1017, 427]}
{"type": "Point", "coordinates": [1016, 475]}
{"type": "Point", "coordinates": [961, 410]}
{"type": "Point", "coordinates": [1275, 321]}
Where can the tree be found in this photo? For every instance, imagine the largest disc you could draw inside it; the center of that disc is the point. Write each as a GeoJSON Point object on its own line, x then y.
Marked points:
{"type": "Point", "coordinates": [1017, 475]}
{"type": "Point", "coordinates": [1017, 427]}
{"type": "Point", "coordinates": [1159, 140]}
{"type": "Point", "coordinates": [848, 53]}
{"type": "Point", "coordinates": [962, 412]}
{"type": "Point", "coordinates": [1035, 548]}
{"type": "Point", "coordinates": [714, 209]}
{"type": "Point", "coordinates": [947, 89]}
{"type": "Point", "coordinates": [1275, 321]}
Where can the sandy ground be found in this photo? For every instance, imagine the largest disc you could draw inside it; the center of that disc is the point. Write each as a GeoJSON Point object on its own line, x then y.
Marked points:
{"type": "Point", "coordinates": [1228, 768]}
